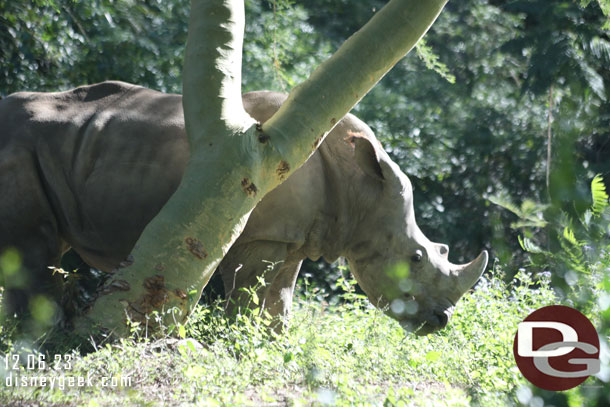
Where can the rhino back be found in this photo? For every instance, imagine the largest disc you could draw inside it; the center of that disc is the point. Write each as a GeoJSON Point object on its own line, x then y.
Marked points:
{"type": "Point", "coordinates": [108, 157]}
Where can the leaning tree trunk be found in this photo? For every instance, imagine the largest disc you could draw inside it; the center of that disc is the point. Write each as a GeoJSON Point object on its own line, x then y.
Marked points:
{"type": "Point", "coordinates": [234, 162]}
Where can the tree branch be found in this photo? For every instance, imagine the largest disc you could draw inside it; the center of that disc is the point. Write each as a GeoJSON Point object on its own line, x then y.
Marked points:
{"type": "Point", "coordinates": [231, 167]}
{"type": "Point", "coordinates": [314, 107]}
{"type": "Point", "coordinates": [212, 69]}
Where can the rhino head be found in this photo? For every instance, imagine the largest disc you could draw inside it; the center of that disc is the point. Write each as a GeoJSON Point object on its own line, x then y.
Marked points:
{"type": "Point", "coordinates": [397, 266]}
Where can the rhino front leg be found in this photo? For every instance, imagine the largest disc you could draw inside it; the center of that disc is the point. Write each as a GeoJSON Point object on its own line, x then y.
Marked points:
{"type": "Point", "coordinates": [246, 264]}
{"type": "Point", "coordinates": [29, 244]}
{"type": "Point", "coordinates": [34, 283]}
{"type": "Point", "coordinates": [278, 294]}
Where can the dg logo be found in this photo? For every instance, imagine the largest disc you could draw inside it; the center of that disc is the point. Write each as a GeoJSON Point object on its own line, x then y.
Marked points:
{"type": "Point", "coordinates": [556, 348]}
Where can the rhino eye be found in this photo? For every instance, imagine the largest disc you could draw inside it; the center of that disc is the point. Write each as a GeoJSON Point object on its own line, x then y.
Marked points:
{"type": "Point", "coordinates": [416, 258]}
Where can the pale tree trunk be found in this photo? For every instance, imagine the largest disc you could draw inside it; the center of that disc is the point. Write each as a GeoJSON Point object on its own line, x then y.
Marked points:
{"type": "Point", "coordinates": [234, 162]}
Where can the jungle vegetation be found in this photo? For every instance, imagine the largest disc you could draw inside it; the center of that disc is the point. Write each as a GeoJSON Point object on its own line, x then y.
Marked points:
{"type": "Point", "coordinates": [501, 119]}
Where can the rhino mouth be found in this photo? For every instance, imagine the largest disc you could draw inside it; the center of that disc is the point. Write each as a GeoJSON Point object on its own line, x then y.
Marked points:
{"type": "Point", "coordinates": [428, 323]}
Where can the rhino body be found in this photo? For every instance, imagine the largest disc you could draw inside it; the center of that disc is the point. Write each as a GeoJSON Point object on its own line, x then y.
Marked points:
{"type": "Point", "coordinates": [90, 167]}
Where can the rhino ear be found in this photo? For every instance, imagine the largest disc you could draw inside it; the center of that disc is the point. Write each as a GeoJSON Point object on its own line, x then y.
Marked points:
{"type": "Point", "coordinates": [366, 155]}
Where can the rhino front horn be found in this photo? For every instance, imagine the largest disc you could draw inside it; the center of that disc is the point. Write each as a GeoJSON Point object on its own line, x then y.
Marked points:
{"type": "Point", "coordinates": [468, 274]}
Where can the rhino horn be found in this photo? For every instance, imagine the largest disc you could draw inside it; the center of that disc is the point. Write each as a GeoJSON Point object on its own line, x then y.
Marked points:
{"type": "Point", "coordinates": [468, 274]}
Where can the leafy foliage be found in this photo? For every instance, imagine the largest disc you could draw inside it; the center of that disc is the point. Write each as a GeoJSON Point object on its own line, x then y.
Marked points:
{"type": "Point", "coordinates": [577, 242]}
{"type": "Point", "coordinates": [577, 258]}
{"type": "Point", "coordinates": [599, 196]}
{"type": "Point", "coordinates": [604, 5]}
{"type": "Point", "coordinates": [343, 352]}
{"type": "Point", "coordinates": [522, 69]}
{"type": "Point", "coordinates": [432, 61]}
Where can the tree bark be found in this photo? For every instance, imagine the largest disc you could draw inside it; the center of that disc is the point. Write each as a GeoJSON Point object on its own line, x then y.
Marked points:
{"type": "Point", "coordinates": [234, 162]}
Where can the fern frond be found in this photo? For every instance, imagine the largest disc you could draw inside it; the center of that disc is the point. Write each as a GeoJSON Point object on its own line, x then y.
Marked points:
{"type": "Point", "coordinates": [505, 203]}
{"type": "Point", "coordinates": [568, 235]}
{"type": "Point", "coordinates": [572, 250]}
{"type": "Point", "coordinates": [529, 246]}
{"type": "Point", "coordinates": [599, 195]}
{"type": "Point", "coordinates": [529, 214]}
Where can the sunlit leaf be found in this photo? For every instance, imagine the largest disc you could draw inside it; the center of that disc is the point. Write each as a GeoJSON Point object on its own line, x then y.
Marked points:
{"type": "Point", "coordinates": [433, 356]}
{"type": "Point", "coordinates": [427, 55]}
{"type": "Point", "coordinates": [529, 246]}
{"type": "Point", "coordinates": [599, 195]}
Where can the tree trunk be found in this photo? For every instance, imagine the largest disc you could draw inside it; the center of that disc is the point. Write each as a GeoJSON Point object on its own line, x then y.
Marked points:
{"type": "Point", "coordinates": [234, 162]}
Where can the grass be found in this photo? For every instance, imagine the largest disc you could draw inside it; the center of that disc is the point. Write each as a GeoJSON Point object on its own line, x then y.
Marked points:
{"type": "Point", "coordinates": [345, 353]}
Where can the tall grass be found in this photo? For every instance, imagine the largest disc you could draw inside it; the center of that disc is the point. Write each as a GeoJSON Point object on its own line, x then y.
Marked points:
{"type": "Point", "coordinates": [346, 353]}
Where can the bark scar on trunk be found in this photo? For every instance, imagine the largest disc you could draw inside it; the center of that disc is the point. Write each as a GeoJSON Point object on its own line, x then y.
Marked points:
{"type": "Point", "coordinates": [196, 247]}
{"type": "Point", "coordinates": [157, 295]}
{"type": "Point", "coordinates": [248, 187]}
{"type": "Point", "coordinates": [180, 293]}
{"type": "Point", "coordinates": [282, 169]}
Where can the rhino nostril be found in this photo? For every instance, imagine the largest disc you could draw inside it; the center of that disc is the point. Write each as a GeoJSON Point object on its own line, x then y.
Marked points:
{"type": "Point", "coordinates": [443, 319]}
{"type": "Point", "coordinates": [443, 249]}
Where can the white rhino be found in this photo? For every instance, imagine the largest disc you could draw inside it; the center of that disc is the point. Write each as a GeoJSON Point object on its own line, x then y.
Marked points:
{"type": "Point", "coordinates": [90, 167]}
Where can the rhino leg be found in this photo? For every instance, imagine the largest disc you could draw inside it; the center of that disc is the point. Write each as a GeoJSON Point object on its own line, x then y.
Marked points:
{"type": "Point", "coordinates": [245, 264]}
{"type": "Point", "coordinates": [27, 225]}
{"type": "Point", "coordinates": [278, 294]}
{"type": "Point", "coordinates": [35, 277]}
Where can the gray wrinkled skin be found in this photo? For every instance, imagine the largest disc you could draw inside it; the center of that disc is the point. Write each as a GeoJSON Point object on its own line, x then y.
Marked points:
{"type": "Point", "coordinates": [90, 167]}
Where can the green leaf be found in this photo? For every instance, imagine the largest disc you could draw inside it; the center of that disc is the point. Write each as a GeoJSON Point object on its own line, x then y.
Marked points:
{"type": "Point", "coordinates": [600, 48]}
{"type": "Point", "coordinates": [568, 234]}
{"type": "Point", "coordinates": [433, 356]}
{"type": "Point", "coordinates": [531, 223]}
{"type": "Point", "coordinates": [572, 248]}
{"type": "Point", "coordinates": [594, 80]}
{"type": "Point", "coordinates": [529, 246]}
{"type": "Point", "coordinates": [505, 203]}
{"type": "Point", "coordinates": [182, 331]}
{"type": "Point", "coordinates": [530, 212]}
{"type": "Point", "coordinates": [425, 53]}
{"type": "Point", "coordinates": [599, 195]}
